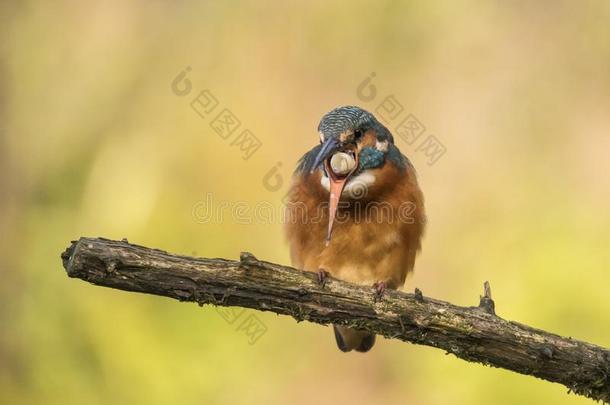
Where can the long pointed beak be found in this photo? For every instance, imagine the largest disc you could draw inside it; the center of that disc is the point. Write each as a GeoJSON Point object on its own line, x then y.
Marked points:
{"type": "Point", "coordinates": [328, 148]}
{"type": "Point", "coordinates": [335, 189]}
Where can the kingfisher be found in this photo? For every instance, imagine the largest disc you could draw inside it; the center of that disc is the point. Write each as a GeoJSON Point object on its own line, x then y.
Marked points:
{"type": "Point", "coordinates": [355, 211]}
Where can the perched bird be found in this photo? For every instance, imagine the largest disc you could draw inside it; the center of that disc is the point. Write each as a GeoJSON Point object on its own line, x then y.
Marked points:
{"type": "Point", "coordinates": [355, 211]}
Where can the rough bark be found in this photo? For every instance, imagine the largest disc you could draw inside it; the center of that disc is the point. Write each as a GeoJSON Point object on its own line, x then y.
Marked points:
{"type": "Point", "coordinates": [475, 334]}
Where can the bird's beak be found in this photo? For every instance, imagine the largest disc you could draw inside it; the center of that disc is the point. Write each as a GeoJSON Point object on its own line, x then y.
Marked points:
{"type": "Point", "coordinates": [336, 182]}
{"type": "Point", "coordinates": [329, 147]}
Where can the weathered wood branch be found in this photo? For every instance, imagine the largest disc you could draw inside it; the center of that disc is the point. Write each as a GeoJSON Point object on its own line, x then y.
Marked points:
{"type": "Point", "coordinates": [474, 334]}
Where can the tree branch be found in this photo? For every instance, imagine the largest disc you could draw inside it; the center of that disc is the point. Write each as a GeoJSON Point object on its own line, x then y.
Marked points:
{"type": "Point", "coordinates": [474, 334]}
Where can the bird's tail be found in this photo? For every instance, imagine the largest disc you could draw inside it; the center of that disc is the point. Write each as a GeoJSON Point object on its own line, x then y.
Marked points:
{"type": "Point", "coordinates": [352, 339]}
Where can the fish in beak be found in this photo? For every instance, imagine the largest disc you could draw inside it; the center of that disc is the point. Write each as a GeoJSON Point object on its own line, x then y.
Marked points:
{"type": "Point", "coordinates": [340, 162]}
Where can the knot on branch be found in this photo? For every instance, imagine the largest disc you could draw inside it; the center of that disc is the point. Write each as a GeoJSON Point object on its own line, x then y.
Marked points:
{"type": "Point", "coordinates": [486, 303]}
{"type": "Point", "coordinates": [248, 258]}
{"type": "Point", "coordinates": [419, 297]}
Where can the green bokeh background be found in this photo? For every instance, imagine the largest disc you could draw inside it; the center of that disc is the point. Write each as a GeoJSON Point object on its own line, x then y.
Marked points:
{"type": "Point", "coordinates": [95, 143]}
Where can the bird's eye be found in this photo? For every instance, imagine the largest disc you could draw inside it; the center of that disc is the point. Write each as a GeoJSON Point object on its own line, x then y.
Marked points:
{"type": "Point", "coordinates": [357, 134]}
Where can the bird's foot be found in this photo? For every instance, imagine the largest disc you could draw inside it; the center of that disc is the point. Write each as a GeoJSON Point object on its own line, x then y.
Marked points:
{"type": "Point", "coordinates": [379, 288]}
{"type": "Point", "coordinates": [322, 276]}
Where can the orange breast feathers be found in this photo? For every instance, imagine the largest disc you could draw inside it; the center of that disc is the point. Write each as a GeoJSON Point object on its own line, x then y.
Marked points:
{"type": "Point", "coordinates": [377, 231]}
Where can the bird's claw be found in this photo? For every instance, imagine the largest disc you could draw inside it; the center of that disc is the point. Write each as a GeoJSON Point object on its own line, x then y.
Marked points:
{"type": "Point", "coordinates": [379, 288]}
{"type": "Point", "coordinates": [322, 275]}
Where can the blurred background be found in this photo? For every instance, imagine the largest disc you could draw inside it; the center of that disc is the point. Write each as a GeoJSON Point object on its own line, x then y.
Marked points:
{"type": "Point", "coordinates": [96, 141]}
